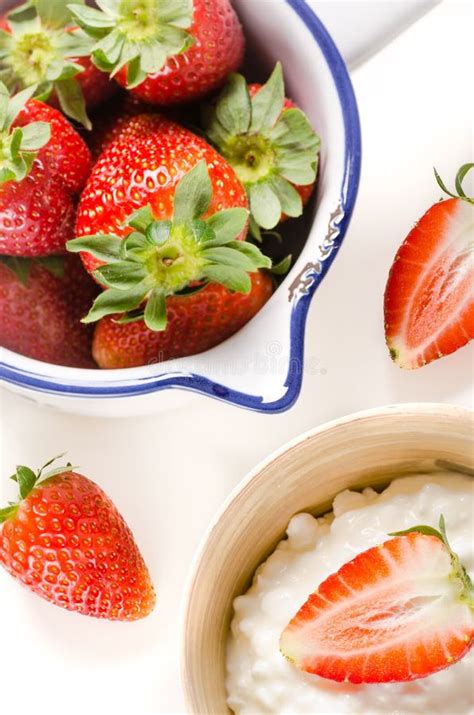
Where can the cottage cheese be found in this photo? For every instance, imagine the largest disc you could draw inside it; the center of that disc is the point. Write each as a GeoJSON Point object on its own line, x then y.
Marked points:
{"type": "Point", "coordinates": [261, 681]}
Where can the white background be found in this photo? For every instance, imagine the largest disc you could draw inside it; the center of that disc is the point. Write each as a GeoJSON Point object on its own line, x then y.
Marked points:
{"type": "Point", "coordinates": [168, 474]}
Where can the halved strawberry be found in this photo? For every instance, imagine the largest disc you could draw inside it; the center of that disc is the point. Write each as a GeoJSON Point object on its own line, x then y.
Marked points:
{"type": "Point", "coordinates": [397, 612]}
{"type": "Point", "coordinates": [429, 298]}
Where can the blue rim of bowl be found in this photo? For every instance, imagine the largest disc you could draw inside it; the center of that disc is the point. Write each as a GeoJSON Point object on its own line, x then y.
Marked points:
{"type": "Point", "coordinates": [294, 378]}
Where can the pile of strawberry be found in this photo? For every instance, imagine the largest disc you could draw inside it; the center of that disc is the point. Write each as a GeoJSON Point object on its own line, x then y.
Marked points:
{"type": "Point", "coordinates": [97, 159]}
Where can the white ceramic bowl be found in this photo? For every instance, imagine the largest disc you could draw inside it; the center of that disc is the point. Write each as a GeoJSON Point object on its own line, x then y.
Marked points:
{"type": "Point", "coordinates": [366, 449]}
{"type": "Point", "coordinates": [261, 366]}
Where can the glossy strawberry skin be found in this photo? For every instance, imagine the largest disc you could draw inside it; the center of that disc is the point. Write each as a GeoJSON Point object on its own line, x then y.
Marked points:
{"type": "Point", "coordinates": [429, 300]}
{"type": "Point", "coordinates": [375, 620]}
{"type": "Point", "coordinates": [41, 319]}
{"type": "Point", "coordinates": [68, 544]}
{"type": "Point", "coordinates": [217, 51]}
{"type": "Point", "coordinates": [304, 191]}
{"type": "Point", "coordinates": [142, 166]}
{"type": "Point", "coordinates": [37, 213]}
{"type": "Point", "coordinates": [195, 323]}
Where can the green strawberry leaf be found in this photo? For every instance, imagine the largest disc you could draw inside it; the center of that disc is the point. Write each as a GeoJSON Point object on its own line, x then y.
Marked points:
{"type": "Point", "coordinates": [282, 268]}
{"type": "Point", "coordinates": [34, 136]}
{"type": "Point", "coordinates": [114, 300]}
{"type": "Point", "coordinates": [53, 13]}
{"type": "Point", "coordinates": [15, 104]}
{"type": "Point", "coordinates": [93, 21]}
{"type": "Point", "coordinates": [8, 512]}
{"type": "Point", "coordinates": [235, 280]}
{"type": "Point", "coordinates": [158, 232]}
{"type": "Point", "coordinates": [226, 256]}
{"type": "Point", "coordinates": [122, 274]}
{"type": "Point", "coordinates": [72, 101]}
{"type": "Point", "coordinates": [155, 311]}
{"type": "Point", "coordinates": [140, 219]}
{"type": "Point", "coordinates": [193, 194]}
{"type": "Point", "coordinates": [104, 247]}
{"type": "Point", "coordinates": [465, 168]}
{"type": "Point", "coordinates": [264, 204]}
{"type": "Point", "coordinates": [291, 202]}
{"type": "Point", "coordinates": [267, 104]}
{"type": "Point", "coordinates": [233, 108]}
{"type": "Point", "coordinates": [228, 224]}
{"type": "Point", "coordinates": [26, 479]}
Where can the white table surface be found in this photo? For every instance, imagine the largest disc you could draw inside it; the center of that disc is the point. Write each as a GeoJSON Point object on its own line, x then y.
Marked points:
{"type": "Point", "coordinates": [169, 474]}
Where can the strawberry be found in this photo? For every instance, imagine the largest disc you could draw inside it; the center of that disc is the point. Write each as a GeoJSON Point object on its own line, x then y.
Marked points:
{"type": "Point", "coordinates": [44, 163]}
{"type": "Point", "coordinates": [270, 144]}
{"type": "Point", "coordinates": [397, 612]}
{"type": "Point", "coordinates": [163, 211]}
{"type": "Point", "coordinates": [196, 323]}
{"type": "Point", "coordinates": [41, 303]}
{"type": "Point", "coordinates": [429, 298]}
{"type": "Point", "coordinates": [66, 542]}
{"type": "Point", "coordinates": [164, 51]}
{"type": "Point", "coordinates": [40, 46]}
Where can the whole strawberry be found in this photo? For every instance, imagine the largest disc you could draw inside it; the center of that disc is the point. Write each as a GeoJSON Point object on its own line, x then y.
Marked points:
{"type": "Point", "coordinates": [397, 612]}
{"type": "Point", "coordinates": [41, 304]}
{"type": "Point", "coordinates": [165, 52]}
{"type": "Point", "coordinates": [66, 542]}
{"type": "Point", "coordinates": [195, 323]}
{"type": "Point", "coordinates": [44, 164]}
{"type": "Point", "coordinates": [429, 298]}
{"type": "Point", "coordinates": [270, 144]}
{"type": "Point", "coordinates": [164, 212]}
{"type": "Point", "coordinates": [41, 47]}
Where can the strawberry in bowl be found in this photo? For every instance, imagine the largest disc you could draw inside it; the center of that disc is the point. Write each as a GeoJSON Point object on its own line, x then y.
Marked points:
{"type": "Point", "coordinates": [44, 164]}
{"type": "Point", "coordinates": [164, 52]}
{"type": "Point", "coordinates": [153, 237]}
{"type": "Point", "coordinates": [169, 66]}
{"type": "Point", "coordinates": [40, 46]}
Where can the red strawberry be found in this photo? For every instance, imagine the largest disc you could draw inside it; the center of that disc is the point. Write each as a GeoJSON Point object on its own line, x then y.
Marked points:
{"type": "Point", "coordinates": [45, 163]}
{"type": "Point", "coordinates": [40, 46]}
{"type": "Point", "coordinates": [429, 298]}
{"type": "Point", "coordinates": [397, 612]}
{"type": "Point", "coordinates": [164, 212]}
{"type": "Point", "coordinates": [270, 144]}
{"type": "Point", "coordinates": [66, 542]}
{"type": "Point", "coordinates": [166, 53]}
{"type": "Point", "coordinates": [195, 323]}
{"type": "Point", "coordinates": [41, 304]}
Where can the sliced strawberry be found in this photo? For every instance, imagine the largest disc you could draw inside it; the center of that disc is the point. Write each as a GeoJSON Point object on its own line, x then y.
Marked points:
{"type": "Point", "coordinates": [397, 612]}
{"type": "Point", "coordinates": [429, 299]}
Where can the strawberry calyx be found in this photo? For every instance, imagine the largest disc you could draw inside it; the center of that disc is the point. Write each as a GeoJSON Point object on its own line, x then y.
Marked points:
{"type": "Point", "coordinates": [460, 193]}
{"type": "Point", "coordinates": [19, 146]}
{"type": "Point", "coordinates": [459, 573]}
{"type": "Point", "coordinates": [140, 35]}
{"type": "Point", "coordinates": [27, 480]}
{"type": "Point", "coordinates": [159, 259]}
{"type": "Point", "coordinates": [39, 50]}
{"type": "Point", "coordinates": [271, 148]}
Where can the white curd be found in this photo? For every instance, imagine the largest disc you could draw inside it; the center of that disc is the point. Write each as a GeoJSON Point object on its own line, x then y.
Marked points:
{"type": "Point", "coordinates": [261, 681]}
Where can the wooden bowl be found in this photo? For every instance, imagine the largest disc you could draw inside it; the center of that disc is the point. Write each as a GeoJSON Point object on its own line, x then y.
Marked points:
{"type": "Point", "coordinates": [369, 448]}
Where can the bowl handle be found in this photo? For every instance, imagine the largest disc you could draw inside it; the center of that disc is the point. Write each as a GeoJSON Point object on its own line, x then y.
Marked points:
{"type": "Point", "coordinates": [361, 28]}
